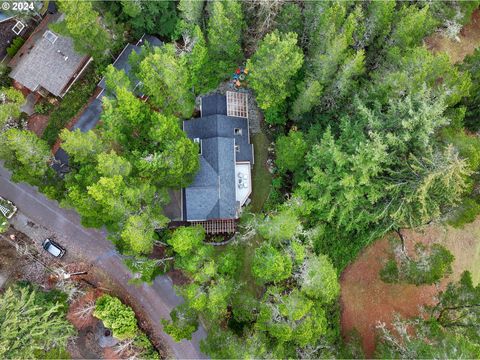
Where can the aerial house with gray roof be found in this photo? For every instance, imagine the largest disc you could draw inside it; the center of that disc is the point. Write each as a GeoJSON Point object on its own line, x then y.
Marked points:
{"type": "Point", "coordinates": [47, 62]}
{"type": "Point", "coordinates": [223, 183]}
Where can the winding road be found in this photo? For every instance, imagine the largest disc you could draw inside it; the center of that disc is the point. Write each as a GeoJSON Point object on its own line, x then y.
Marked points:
{"type": "Point", "coordinates": [89, 245]}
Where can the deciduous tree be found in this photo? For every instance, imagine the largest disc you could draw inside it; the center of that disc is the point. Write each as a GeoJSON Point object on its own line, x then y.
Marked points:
{"type": "Point", "coordinates": [10, 102]}
{"type": "Point", "coordinates": [84, 26]}
{"type": "Point", "coordinates": [165, 78]}
{"type": "Point", "coordinates": [26, 155]}
{"type": "Point", "coordinates": [225, 28]}
{"type": "Point", "coordinates": [151, 17]}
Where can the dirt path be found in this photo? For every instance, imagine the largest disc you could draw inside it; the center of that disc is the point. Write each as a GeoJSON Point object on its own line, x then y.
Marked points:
{"type": "Point", "coordinates": [366, 299]}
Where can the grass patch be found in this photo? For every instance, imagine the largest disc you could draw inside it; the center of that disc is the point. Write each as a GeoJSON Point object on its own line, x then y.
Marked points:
{"type": "Point", "coordinates": [262, 179]}
{"type": "Point", "coordinates": [262, 184]}
{"type": "Point", "coordinates": [71, 104]}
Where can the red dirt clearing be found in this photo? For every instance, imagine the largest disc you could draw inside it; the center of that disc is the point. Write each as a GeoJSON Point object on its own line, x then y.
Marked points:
{"type": "Point", "coordinates": [367, 300]}
{"type": "Point", "coordinates": [468, 40]}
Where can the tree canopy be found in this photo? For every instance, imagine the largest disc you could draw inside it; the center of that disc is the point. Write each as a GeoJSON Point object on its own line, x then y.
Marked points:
{"type": "Point", "coordinates": [30, 325]}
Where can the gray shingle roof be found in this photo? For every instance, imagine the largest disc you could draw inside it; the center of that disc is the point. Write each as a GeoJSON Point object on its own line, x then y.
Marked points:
{"type": "Point", "coordinates": [214, 104]}
{"type": "Point", "coordinates": [121, 63]}
{"type": "Point", "coordinates": [212, 193]}
{"type": "Point", "coordinates": [41, 63]}
{"type": "Point", "coordinates": [222, 126]}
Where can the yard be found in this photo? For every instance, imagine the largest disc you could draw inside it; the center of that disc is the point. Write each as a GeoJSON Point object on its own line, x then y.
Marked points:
{"type": "Point", "coordinates": [366, 299]}
{"type": "Point", "coordinates": [262, 184]}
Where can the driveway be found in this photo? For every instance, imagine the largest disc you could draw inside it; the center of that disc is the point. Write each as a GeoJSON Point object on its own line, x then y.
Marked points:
{"type": "Point", "coordinates": [154, 302]}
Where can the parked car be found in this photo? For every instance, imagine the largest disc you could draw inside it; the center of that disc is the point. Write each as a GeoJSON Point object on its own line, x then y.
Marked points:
{"type": "Point", "coordinates": [53, 248]}
{"type": "Point", "coordinates": [7, 209]}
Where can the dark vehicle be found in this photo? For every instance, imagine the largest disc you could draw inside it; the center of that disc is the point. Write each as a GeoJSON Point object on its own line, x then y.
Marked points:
{"type": "Point", "coordinates": [53, 248]}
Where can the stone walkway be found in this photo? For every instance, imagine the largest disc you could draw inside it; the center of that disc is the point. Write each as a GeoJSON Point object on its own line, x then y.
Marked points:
{"type": "Point", "coordinates": [29, 106]}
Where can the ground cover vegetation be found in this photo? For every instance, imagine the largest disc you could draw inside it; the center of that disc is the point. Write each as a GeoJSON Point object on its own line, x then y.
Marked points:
{"type": "Point", "coordinates": [373, 133]}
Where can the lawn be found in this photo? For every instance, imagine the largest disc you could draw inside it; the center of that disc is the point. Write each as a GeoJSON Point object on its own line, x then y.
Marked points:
{"type": "Point", "coordinates": [262, 184]}
{"type": "Point", "coordinates": [262, 179]}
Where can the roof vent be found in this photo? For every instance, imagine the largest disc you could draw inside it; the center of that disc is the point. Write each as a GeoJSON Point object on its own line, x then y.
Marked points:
{"type": "Point", "coordinates": [50, 36]}
{"type": "Point", "coordinates": [65, 57]}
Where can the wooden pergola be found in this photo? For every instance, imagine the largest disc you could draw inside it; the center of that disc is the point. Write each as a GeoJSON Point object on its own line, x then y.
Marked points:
{"type": "Point", "coordinates": [220, 226]}
{"type": "Point", "coordinates": [237, 104]}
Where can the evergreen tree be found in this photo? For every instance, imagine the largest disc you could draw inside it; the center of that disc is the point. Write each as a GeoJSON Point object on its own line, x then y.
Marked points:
{"type": "Point", "coordinates": [224, 33]}
{"type": "Point", "coordinates": [31, 326]}
{"type": "Point", "coordinates": [272, 67]}
{"type": "Point", "coordinates": [191, 11]}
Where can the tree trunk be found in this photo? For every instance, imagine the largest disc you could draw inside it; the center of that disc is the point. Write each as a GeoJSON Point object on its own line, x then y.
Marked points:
{"type": "Point", "coordinates": [402, 240]}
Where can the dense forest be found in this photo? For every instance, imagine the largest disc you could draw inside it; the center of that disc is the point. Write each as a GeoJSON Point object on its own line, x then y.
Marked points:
{"type": "Point", "coordinates": [372, 133]}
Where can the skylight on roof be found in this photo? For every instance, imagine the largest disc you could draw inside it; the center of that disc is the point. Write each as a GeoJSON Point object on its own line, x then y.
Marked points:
{"type": "Point", "coordinates": [237, 104]}
{"type": "Point", "coordinates": [18, 27]}
{"type": "Point", "coordinates": [50, 36]}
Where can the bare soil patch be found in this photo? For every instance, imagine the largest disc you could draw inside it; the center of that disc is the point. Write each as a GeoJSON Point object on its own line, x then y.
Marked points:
{"type": "Point", "coordinates": [37, 123]}
{"type": "Point", "coordinates": [80, 314]}
{"type": "Point", "coordinates": [367, 300]}
{"type": "Point", "coordinates": [469, 40]}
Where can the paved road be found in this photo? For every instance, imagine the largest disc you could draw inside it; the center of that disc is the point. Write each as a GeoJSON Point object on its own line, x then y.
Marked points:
{"type": "Point", "coordinates": [90, 245]}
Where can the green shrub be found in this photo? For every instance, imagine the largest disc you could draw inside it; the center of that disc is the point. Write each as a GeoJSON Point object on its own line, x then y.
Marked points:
{"type": "Point", "coordinates": [15, 46]}
{"type": "Point", "coordinates": [116, 316]}
{"type": "Point", "coordinates": [389, 272]}
{"type": "Point", "coordinates": [429, 266]}
{"type": "Point", "coordinates": [3, 224]}
{"type": "Point", "coordinates": [43, 108]}
{"type": "Point", "coordinates": [5, 80]}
